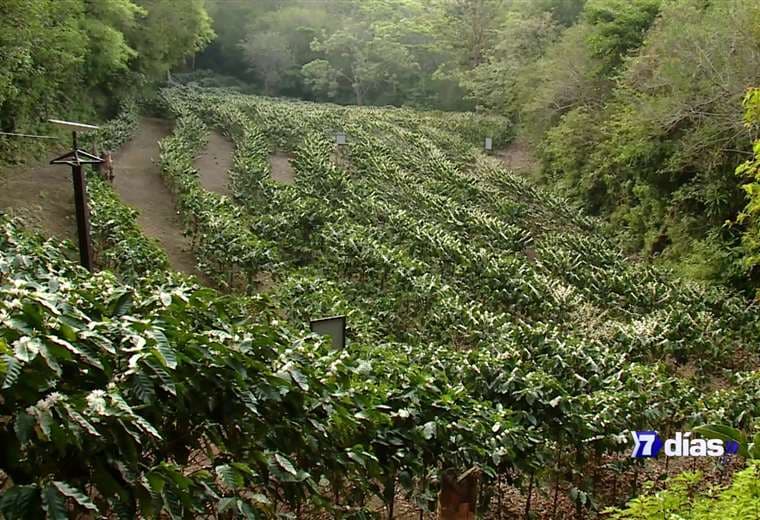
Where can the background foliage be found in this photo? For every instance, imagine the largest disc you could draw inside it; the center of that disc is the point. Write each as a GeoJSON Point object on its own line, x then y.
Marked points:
{"type": "Point", "coordinates": [633, 107]}
{"type": "Point", "coordinates": [80, 58]}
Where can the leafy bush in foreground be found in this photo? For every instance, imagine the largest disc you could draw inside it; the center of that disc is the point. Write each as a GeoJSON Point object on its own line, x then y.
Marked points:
{"type": "Point", "coordinates": [683, 500]}
{"type": "Point", "coordinates": [171, 399]}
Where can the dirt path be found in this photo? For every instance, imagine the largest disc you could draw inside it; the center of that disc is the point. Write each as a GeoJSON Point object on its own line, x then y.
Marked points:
{"type": "Point", "coordinates": [519, 158]}
{"type": "Point", "coordinates": [282, 170]}
{"type": "Point", "coordinates": [43, 196]}
{"type": "Point", "coordinates": [139, 184]}
{"type": "Point", "coordinates": [214, 164]}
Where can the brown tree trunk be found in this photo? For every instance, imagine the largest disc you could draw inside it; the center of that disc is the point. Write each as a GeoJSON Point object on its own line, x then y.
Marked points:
{"type": "Point", "coordinates": [458, 498]}
{"type": "Point", "coordinates": [358, 94]}
{"type": "Point", "coordinates": [530, 495]}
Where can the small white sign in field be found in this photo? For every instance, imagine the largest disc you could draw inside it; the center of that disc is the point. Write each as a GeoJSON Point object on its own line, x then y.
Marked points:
{"type": "Point", "coordinates": [489, 144]}
{"type": "Point", "coordinates": [340, 139]}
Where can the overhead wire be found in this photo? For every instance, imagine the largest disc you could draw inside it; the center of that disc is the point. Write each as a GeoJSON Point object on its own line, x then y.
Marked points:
{"type": "Point", "coordinates": [31, 136]}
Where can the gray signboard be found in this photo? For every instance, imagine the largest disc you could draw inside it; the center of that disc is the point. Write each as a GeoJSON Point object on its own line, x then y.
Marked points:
{"type": "Point", "coordinates": [333, 328]}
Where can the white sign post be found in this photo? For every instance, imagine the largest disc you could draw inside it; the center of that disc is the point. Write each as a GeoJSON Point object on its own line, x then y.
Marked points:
{"type": "Point", "coordinates": [489, 144]}
{"type": "Point", "coordinates": [340, 139]}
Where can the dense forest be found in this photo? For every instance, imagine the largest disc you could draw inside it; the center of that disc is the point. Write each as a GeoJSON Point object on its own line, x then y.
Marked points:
{"type": "Point", "coordinates": [82, 58]}
{"type": "Point", "coordinates": [634, 107]}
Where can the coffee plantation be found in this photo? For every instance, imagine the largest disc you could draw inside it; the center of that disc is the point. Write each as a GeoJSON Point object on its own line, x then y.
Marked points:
{"type": "Point", "coordinates": [491, 325]}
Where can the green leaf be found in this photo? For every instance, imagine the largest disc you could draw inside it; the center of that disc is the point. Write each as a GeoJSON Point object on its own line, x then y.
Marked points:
{"type": "Point", "coordinates": [79, 497]}
{"type": "Point", "coordinates": [231, 477]}
{"type": "Point", "coordinates": [156, 481]}
{"type": "Point", "coordinates": [166, 353]}
{"type": "Point", "coordinates": [285, 464]}
{"type": "Point", "coordinates": [120, 304]}
{"type": "Point", "coordinates": [299, 379]}
{"type": "Point", "coordinates": [118, 401]}
{"type": "Point", "coordinates": [23, 426]}
{"type": "Point", "coordinates": [17, 501]}
{"type": "Point", "coordinates": [167, 383]}
{"type": "Point", "coordinates": [247, 511]}
{"type": "Point", "coordinates": [244, 469]}
{"type": "Point", "coordinates": [77, 350]}
{"type": "Point", "coordinates": [725, 433]}
{"type": "Point", "coordinates": [144, 388]}
{"type": "Point", "coordinates": [68, 332]}
{"type": "Point", "coordinates": [357, 458]}
{"type": "Point", "coordinates": [13, 370]}
{"type": "Point", "coordinates": [81, 421]}
{"type": "Point", "coordinates": [258, 498]}
{"type": "Point", "coordinates": [225, 504]}
{"type": "Point", "coordinates": [4, 348]}
{"type": "Point", "coordinates": [166, 298]}
{"type": "Point", "coordinates": [172, 502]}
{"type": "Point", "coordinates": [50, 359]}
{"type": "Point", "coordinates": [26, 348]}
{"type": "Point", "coordinates": [54, 504]}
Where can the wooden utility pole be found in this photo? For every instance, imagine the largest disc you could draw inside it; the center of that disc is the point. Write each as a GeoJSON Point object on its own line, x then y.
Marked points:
{"type": "Point", "coordinates": [76, 158]}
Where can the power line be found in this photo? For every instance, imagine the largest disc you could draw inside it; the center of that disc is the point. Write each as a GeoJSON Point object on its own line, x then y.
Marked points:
{"type": "Point", "coordinates": [11, 134]}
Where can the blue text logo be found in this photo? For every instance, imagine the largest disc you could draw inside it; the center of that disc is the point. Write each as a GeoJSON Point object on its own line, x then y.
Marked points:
{"type": "Point", "coordinates": [646, 444]}
{"type": "Point", "coordinates": [649, 444]}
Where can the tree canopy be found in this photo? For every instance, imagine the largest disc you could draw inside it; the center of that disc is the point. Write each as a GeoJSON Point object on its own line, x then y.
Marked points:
{"type": "Point", "coordinates": [80, 57]}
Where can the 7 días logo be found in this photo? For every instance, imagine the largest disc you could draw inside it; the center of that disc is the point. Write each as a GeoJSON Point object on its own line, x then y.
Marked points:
{"type": "Point", "coordinates": [649, 444]}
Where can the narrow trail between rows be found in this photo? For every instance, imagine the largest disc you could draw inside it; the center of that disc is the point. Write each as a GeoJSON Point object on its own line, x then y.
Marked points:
{"type": "Point", "coordinates": [214, 164]}
{"type": "Point", "coordinates": [282, 170]}
{"type": "Point", "coordinates": [518, 157]}
{"type": "Point", "coordinates": [139, 185]}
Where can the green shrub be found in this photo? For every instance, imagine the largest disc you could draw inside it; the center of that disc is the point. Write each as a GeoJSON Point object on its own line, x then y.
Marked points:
{"type": "Point", "coordinates": [687, 499]}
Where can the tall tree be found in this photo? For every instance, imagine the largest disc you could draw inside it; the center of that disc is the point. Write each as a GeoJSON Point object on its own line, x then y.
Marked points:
{"type": "Point", "coordinates": [42, 51]}
{"type": "Point", "coordinates": [172, 31]}
{"type": "Point", "coordinates": [364, 55]}
{"type": "Point", "coordinates": [277, 43]}
{"type": "Point", "coordinates": [469, 28]}
{"type": "Point", "coordinates": [270, 57]}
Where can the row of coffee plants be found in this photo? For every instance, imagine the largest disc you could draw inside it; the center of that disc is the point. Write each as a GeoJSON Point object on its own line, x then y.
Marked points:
{"type": "Point", "coordinates": [226, 249]}
{"type": "Point", "coordinates": [626, 289]}
{"type": "Point", "coordinates": [171, 400]}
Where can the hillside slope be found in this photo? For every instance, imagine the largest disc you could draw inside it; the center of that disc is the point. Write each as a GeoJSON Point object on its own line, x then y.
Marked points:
{"type": "Point", "coordinates": [490, 325]}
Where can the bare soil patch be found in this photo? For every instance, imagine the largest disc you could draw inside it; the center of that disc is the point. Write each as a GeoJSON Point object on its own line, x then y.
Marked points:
{"type": "Point", "coordinates": [214, 164]}
{"type": "Point", "coordinates": [43, 196]}
{"type": "Point", "coordinates": [282, 170]}
{"type": "Point", "coordinates": [139, 184]}
{"type": "Point", "coordinates": [518, 157]}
